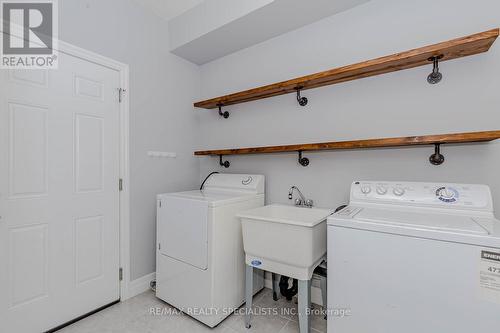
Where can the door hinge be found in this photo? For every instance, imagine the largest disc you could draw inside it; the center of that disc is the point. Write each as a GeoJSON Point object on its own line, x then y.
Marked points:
{"type": "Point", "coordinates": [120, 184]}
{"type": "Point", "coordinates": [121, 93]}
{"type": "Point", "coordinates": [120, 274]}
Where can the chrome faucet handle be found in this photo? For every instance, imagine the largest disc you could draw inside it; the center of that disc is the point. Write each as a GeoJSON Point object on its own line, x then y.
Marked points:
{"type": "Point", "coordinates": [309, 203]}
{"type": "Point", "coordinates": [298, 202]}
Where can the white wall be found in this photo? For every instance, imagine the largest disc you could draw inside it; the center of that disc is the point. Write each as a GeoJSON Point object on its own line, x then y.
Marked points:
{"type": "Point", "coordinates": [162, 90]}
{"type": "Point", "coordinates": [397, 104]}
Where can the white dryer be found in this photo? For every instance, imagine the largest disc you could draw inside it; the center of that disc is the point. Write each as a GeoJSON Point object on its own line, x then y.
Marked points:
{"type": "Point", "coordinates": [414, 257]}
{"type": "Point", "coordinates": [200, 260]}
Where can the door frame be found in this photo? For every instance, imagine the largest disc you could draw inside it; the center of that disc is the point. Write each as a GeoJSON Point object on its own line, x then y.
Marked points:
{"type": "Point", "coordinates": [124, 194]}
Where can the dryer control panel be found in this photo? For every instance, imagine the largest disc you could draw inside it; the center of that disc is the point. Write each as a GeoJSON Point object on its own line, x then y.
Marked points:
{"type": "Point", "coordinates": [443, 195]}
{"type": "Point", "coordinates": [253, 184]}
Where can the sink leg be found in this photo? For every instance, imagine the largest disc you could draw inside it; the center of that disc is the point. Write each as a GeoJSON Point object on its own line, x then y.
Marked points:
{"type": "Point", "coordinates": [248, 295]}
{"type": "Point", "coordinates": [304, 306]}
{"type": "Point", "coordinates": [276, 287]}
{"type": "Point", "coordinates": [324, 294]}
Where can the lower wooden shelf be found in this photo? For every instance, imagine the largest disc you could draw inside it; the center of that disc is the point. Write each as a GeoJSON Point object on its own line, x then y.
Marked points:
{"type": "Point", "coordinates": [436, 140]}
{"type": "Point", "coordinates": [359, 144]}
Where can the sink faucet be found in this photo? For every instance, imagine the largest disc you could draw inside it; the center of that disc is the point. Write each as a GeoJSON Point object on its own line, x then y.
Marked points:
{"type": "Point", "coordinates": [302, 201]}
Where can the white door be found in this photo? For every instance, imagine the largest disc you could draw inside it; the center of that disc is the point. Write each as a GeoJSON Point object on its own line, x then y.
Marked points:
{"type": "Point", "coordinates": [59, 200]}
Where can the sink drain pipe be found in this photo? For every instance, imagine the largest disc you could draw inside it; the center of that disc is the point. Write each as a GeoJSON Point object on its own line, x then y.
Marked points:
{"type": "Point", "coordinates": [288, 293]}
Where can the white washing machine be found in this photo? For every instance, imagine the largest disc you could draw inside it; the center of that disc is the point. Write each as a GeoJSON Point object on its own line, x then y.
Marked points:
{"type": "Point", "coordinates": [414, 257]}
{"type": "Point", "coordinates": [200, 263]}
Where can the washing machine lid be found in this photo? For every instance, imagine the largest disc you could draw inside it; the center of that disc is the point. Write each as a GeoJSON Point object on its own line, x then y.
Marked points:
{"type": "Point", "coordinates": [421, 220]}
{"type": "Point", "coordinates": [213, 198]}
{"type": "Point", "coordinates": [423, 223]}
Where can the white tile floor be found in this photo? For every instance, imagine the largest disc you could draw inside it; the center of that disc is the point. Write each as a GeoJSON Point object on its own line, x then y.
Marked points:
{"type": "Point", "coordinates": [134, 316]}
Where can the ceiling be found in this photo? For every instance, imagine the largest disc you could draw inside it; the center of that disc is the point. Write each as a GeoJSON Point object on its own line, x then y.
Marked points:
{"type": "Point", "coordinates": [168, 9]}
{"type": "Point", "coordinates": [217, 28]}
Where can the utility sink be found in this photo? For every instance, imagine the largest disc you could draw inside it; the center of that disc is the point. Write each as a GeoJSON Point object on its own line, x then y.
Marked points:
{"type": "Point", "coordinates": [287, 240]}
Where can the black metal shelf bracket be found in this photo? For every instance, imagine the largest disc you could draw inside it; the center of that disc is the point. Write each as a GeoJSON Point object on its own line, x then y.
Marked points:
{"type": "Point", "coordinates": [437, 158]}
{"type": "Point", "coordinates": [304, 161]}
{"type": "Point", "coordinates": [435, 76]}
{"type": "Point", "coordinates": [222, 163]}
{"type": "Point", "coordinates": [302, 100]}
{"type": "Point", "coordinates": [224, 114]}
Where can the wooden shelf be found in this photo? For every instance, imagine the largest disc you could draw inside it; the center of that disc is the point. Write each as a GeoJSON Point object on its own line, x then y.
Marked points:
{"type": "Point", "coordinates": [361, 144]}
{"type": "Point", "coordinates": [452, 49]}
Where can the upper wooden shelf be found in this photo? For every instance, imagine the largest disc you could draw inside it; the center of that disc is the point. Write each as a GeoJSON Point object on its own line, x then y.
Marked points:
{"type": "Point", "coordinates": [452, 49]}
{"type": "Point", "coordinates": [359, 144]}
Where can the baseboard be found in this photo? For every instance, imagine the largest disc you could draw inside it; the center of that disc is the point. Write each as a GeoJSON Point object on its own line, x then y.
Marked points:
{"type": "Point", "coordinates": [140, 285]}
{"type": "Point", "coordinates": [315, 291]}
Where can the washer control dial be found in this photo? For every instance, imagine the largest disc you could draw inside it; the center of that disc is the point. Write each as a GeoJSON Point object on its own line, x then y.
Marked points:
{"type": "Point", "coordinates": [447, 194]}
{"type": "Point", "coordinates": [398, 191]}
{"type": "Point", "coordinates": [365, 189]}
{"type": "Point", "coordinates": [382, 190]}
